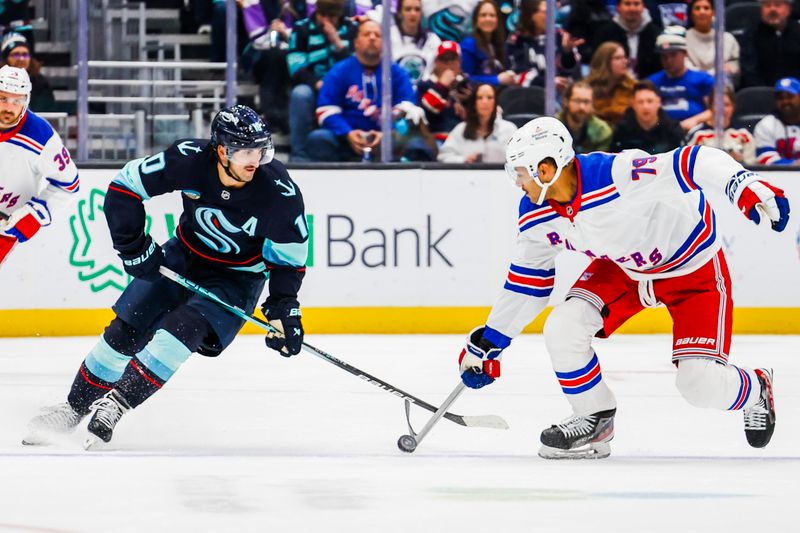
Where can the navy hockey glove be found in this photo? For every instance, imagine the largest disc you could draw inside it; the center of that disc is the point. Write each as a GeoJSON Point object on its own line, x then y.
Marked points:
{"type": "Point", "coordinates": [284, 316]}
{"type": "Point", "coordinates": [144, 263]}
{"type": "Point", "coordinates": [761, 198]}
{"type": "Point", "coordinates": [479, 361]}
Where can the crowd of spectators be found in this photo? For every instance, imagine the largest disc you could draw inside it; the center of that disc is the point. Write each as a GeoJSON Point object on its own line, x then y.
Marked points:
{"type": "Point", "coordinates": [629, 74]}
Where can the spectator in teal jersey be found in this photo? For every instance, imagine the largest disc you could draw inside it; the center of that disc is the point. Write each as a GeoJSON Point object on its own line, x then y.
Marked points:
{"type": "Point", "coordinates": [316, 44]}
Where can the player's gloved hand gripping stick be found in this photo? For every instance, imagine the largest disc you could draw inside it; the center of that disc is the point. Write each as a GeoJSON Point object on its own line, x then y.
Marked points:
{"type": "Point", "coordinates": [486, 421]}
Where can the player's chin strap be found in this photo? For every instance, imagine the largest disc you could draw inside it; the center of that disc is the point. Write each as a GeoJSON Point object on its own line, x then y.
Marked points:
{"type": "Point", "coordinates": [228, 172]}
{"type": "Point", "coordinates": [544, 186]}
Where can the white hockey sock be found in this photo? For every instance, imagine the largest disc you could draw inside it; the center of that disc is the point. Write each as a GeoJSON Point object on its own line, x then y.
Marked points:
{"type": "Point", "coordinates": [707, 383]}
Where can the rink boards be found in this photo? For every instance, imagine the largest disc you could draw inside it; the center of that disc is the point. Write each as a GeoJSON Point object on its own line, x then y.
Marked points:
{"type": "Point", "coordinates": [392, 251]}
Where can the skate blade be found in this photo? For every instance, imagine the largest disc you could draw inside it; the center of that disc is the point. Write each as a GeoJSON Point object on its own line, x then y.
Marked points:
{"type": "Point", "coordinates": [598, 450]}
{"type": "Point", "coordinates": [92, 442]}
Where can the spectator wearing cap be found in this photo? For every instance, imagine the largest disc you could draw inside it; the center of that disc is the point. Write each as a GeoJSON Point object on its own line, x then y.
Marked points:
{"type": "Point", "coordinates": [645, 125]}
{"type": "Point", "coordinates": [442, 94]}
{"type": "Point", "coordinates": [633, 28]}
{"type": "Point", "coordinates": [682, 91]}
{"type": "Point", "coordinates": [771, 47]}
{"type": "Point", "coordinates": [16, 53]}
{"type": "Point", "coordinates": [778, 135]}
{"type": "Point", "coordinates": [589, 132]}
{"type": "Point", "coordinates": [413, 47]}
{"type": "Point", "coordinates": [315, 46]}
{"type": "Point", "coordinates": [700, 41]}
{"type": "Point", "coordinates": [525, 48]}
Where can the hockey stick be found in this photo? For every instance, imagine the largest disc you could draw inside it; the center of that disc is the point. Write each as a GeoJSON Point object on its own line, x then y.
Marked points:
{"type": "Point", "coordinates": [486, 421]}
{"type": "Point", "coordinates": [409, 443]}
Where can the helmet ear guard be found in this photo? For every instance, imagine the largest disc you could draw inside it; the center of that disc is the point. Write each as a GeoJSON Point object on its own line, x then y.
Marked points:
{"type": "Point", "coordinates": [539, 139]}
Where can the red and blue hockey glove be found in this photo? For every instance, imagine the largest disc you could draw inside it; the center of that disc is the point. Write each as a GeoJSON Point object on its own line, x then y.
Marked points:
{"type": "Point", "coordinates": [479, 361]}
{"type": "Point", "coordinates": [6, 245]}
{"type": "Point", "coordinates": [26, 221]}
{"type": "Point", "coordinates": [761, 198]}
{"type": "Point", "coordinates": [144, 262]}
{"type": "Point", "coordinates": [285, 316]}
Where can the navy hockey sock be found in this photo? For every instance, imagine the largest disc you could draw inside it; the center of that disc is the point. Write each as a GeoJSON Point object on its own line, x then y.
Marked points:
{"type": "Point", "coordinates": [104, 364]}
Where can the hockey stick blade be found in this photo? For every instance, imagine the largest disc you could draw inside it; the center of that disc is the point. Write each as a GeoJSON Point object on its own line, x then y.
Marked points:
{"type": "Point", "coordinates": [488, 421]}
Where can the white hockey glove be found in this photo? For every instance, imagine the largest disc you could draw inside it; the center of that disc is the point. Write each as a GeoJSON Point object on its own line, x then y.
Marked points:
{"type": "Point", "coordinates": [760, 198]}
{"type": "Point", "coordinates": [479, 361]}
{"type": "Point", "coordinates": [413, 113]}
{"type": "Point", "coordinates": [26, 221]}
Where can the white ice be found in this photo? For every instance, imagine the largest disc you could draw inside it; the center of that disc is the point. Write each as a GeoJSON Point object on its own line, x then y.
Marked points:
{"type": "Point", "coordinates": [252, 441]}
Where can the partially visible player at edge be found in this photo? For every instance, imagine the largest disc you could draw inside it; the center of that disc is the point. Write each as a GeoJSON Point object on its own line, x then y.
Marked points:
{"type": "Point", "coordinates": [645, 221]}
{"type": "Point", "coordinates": [243, 221]}
{"type": "Point", "coordinates": [37, 175]}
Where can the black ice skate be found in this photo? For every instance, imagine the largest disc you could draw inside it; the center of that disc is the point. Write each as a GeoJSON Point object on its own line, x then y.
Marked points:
{"type": "Point", "coordinates": [579, 437]}
{"type": "Point", "coordinates": [107, 412]}
{"type": "Point", "coordinates": [57, 420]}
{"type": "Point", "coordinates": [759, 420]}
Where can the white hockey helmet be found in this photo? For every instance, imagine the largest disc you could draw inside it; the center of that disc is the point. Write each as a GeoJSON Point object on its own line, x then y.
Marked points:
{"type": "Point", "coordinates": [534, 142]}
{"type": "Point", "coordinates": [16, 81]}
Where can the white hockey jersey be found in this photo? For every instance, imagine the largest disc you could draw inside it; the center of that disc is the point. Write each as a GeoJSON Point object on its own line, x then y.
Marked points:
{"type": "Point", "coordinates": [34, 163]}
{"type": "Point", "coordinates": [777, 143]}
{"type": "Point", "coordinates": [646, 212]}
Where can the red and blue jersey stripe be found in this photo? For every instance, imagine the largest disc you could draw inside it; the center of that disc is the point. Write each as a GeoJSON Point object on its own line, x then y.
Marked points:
{"type": "Point", "coordinates": [702, 236]}
{"type": "Point", "coordinates": [599, 197]}
{"type": "Point", "coordinates": [581, 380]}
{"type": "Point", "coordinates": [531, 214]}
{"type": "Point", "coordinates": [745, 386]}
{"type": "Point", "coordinates": [683, 161]}
{"type": "Point", "coordinates": [530, 281]}
{"type": "Point", "coordinates": [69, 186]}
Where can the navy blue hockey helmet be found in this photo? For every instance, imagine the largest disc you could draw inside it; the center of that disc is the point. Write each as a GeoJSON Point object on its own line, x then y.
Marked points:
{"type": "Point", "coordinates": [242, 131]}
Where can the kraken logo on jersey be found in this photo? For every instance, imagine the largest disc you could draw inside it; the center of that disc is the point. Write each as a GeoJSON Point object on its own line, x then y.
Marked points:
{"type": "Point", "coordinates": [211, 220]}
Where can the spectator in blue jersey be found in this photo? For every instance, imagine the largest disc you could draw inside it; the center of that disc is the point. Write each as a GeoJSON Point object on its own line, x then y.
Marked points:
{"type": "Point", "coordinates": [778, 135]}
{"type": "Point", "coordinates": [634, 29]}
{"type": "Point", "coordinates": [771, 47]}
{"type": "Point", "coordinates": [483, 53]}
{"type": "Point", "coordinates": [526, 48]}
{"type": "Point", "coordinates": [443, 94]}
{"type": "Point", "coordinates": [683, 91]}
{"type": "Point", "coordinates": [349, 103]}
{"type": "Point", "coordinates": [316, 44]}
{"type": "Point", "coordinates": [645, 125]}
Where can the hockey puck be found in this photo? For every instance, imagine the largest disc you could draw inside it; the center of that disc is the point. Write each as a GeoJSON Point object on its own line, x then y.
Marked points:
{"type": "Point", "coordinates": [407, 443]}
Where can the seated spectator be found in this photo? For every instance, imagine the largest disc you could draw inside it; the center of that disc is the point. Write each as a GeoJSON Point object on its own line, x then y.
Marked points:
{"type": "Point", "coordinates": [483, 53]}
{"type": "Point", "coordinates": [645, 125]}
{"type": "Point", "coordinates": [16, 53]}
{"type": "Point", "coordinates": [525, 48]}
{"type": "Point", "coordinates": [589, 133]}
{"type": "Point", "coordinates": [612, 85]}
{"type": "Point", "coordinates": [668, 12]}
{"type": "Point", "coordinates": [585, 16]}
{"type": "Point", "coordinates": [482, 137]}
{"type": "Point", "coordinates": [316, 44]}
{"type": "Point", "coordinates": [349, 102]}
{"type": "Point", "coordinates": [683, 91]}
{"type": "Point", "coordinates": [636, 32]}
{"type": "Point", "coordinates": [778, 135]}
{"type": "Point", "coordinates": [700, 41]}
{"type": "Point", "coordinates": [771, 47]}
{"type": "Point", "coordinates": [737, 142]}
{"type": "Point", "coordinates": [443, 94]}
{"type": "Point", "coordinates": [413, 47]}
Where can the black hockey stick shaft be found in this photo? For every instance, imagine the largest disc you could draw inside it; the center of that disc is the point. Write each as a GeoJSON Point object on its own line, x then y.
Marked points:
{"type": "Point", "coordinates": [263, 324]}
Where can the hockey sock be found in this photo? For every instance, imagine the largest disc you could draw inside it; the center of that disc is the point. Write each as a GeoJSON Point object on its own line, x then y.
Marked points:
{"type": "Point", "coordinates": [104, 365]}
{"type": "Point", "coordinates": [180, 333]}
{"type": "Point", "coordinates": [711, 384]}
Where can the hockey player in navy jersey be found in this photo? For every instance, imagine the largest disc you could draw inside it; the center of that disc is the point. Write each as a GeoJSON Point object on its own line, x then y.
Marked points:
{"type": "Point", "coordinates": [645, 221]}
{"type": "Point", "coordinates": [37, 175]}
{"type": "Point", "coordinates": [243, 222]}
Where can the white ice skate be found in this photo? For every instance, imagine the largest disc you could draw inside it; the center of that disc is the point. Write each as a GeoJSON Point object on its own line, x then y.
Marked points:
{"type": "Point", "coordinates": [579, 437]}
{"type": "Point", "coordinates": [56, 421]}
{"type": "Point", "coordinates": [107, 412]}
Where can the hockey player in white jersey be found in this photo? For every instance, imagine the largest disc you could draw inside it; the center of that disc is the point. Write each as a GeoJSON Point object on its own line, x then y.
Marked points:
{"type": "Point", "coordinates": [37, 175]}
{"type": "Point", "coordinates": [646, 223]}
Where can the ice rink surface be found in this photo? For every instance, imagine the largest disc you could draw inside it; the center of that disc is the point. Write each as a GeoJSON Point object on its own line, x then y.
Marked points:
{"type": "Point", "coordinates": [255, 442]}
